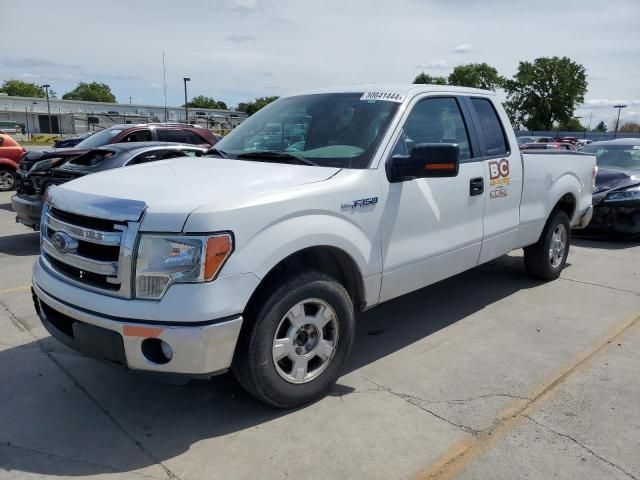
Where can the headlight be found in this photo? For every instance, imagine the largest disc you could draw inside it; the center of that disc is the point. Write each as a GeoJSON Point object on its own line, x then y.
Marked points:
{"type": "Point", "coordinates": [45, 164]}
{"type": "Point", "coordinates": [632, 193]}
{"type": "Point", "coordinates": [166, 259]}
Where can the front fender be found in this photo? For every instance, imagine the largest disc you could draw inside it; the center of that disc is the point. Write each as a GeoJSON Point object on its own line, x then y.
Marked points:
{"type": "Point", "coordinates": [279, 240]}
{"type": "Point", "coordinates": [8, 163]}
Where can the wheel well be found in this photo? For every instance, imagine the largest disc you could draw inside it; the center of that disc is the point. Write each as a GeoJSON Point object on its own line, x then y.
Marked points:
{"type": "Point", "coordinates": [567, 204]}
{"type": "Point", "coordinates": [329, 260]}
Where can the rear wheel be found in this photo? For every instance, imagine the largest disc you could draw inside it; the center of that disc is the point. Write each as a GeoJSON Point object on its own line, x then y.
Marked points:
{"type": "Point", "coordinates": [295, 346]}
{"type": "Point", "coordinates": [546, 258]}
{"type": "Point", "coordinates": [7, 180]}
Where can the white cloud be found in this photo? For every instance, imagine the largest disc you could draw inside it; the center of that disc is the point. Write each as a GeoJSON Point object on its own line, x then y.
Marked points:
{"type": "Point", "coordinates": [606, 103]}
{"type": "Point", "coordinates": [464, 48]}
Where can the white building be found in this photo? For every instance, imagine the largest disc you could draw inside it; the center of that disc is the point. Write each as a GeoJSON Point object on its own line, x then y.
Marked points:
{"type": "Point", "coordinates": [77, 116]}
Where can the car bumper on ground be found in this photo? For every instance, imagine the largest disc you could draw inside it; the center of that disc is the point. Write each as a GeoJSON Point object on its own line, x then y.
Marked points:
{"type": "Point", "coordinates": [28, 209]}
{"type": "Point", "coordinates": [623, 219]}
{"type": "Point", "coordinates": [193, 349]}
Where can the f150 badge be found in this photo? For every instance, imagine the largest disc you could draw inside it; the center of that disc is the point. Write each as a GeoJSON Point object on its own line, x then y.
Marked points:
{"type": "Point", "coordinates": [363, 202]}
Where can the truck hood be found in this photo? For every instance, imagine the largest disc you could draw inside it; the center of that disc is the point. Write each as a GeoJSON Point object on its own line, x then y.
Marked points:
{"type": "Point", "coordinates": [170, 190]}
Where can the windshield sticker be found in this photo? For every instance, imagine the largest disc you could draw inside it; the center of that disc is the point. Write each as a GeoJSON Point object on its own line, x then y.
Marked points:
{"type": "Point", "coordinates": [385, 96]}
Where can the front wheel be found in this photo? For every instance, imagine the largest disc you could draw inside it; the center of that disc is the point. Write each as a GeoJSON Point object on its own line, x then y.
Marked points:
{"type": "Point", "coordinates": [295, 346]}
{"type": "Point", "coordinates": [7, 180]}
{"type": "Point", "coordinates": [546, 258]}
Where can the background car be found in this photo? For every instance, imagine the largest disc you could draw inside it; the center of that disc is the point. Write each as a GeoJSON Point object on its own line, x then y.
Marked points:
{"type": "Point", "coordinates": [548, 146]}
{"type": "Point", "coordinates": [27, 202]}
{"type": "Point", "coordinates": [144, 132]}
{"type": "Point", "coordinates": [71, 141]}
{"type": "Point", "coordinates": [10, 154]}
{"type": "Point", "coordinates": [616, 196]}
{"type": "Point", "coordinates": [533, 139]}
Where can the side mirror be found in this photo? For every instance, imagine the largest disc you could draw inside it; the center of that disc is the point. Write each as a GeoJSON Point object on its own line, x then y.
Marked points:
{"type": "Point", "coordinates": [427, 160]}
{"type": "Point", "coordinates": [1, 140]}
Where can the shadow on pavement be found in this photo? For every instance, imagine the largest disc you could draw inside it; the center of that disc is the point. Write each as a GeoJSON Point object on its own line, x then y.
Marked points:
{"type": "Point", "coordinates": [21, 245]}
{"type": "Point", "coordinates": [6, 206]}
{"type": "Point", "coordinates": [604, 243]}
{"type": "Point", "coordinates": [73, 407]}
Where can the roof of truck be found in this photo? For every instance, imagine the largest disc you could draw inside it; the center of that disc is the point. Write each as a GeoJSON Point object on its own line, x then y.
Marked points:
{"type": "Point", "coordinates": [399, 88]}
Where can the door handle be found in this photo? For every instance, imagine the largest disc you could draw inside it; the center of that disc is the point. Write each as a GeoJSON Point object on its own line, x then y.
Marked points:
{"type": "Point", "coordinates": [476, 186]}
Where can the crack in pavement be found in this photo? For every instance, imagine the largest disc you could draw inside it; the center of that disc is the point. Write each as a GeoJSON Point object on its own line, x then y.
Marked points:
{"type": "Point", "coordinates": [569, 437]}
{"type": "Point", "coordinates": [599, 285]}
{"type": "Point", "coordinates": [70, 459]}
{"type": "Point", "coordinates": [415, 401]}
{"type": "Point", "coordinates": [472, 399]}
{"type": "Point", "coordinates": [16, 321]}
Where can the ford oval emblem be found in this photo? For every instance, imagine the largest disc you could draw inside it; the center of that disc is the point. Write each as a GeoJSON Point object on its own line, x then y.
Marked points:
{"type": "Point", "coordinates": [63, 242]}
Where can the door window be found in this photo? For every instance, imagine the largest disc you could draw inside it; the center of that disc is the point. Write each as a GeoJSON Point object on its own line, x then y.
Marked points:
{"type": "Point", "coordinates": [491, 128]}
{"type": "Point", "coordinates": [435, 120]}
{"type": "Point", "coordinates": [171, 135]}
{"type": "Point", "coordinates": [138, 136]}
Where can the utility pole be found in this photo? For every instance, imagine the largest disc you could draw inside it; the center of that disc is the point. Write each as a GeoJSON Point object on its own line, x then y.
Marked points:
{"type": "Point", "coordinates": [46, 88]}
{"type": "Point", "coordinates": [129, 100]}
{"type": "Point", "coordinates": [186, 108]}
{"type": "Point", "coordinates": [589, 128]}
{"type": "Point", "coordinates": [619, 107]}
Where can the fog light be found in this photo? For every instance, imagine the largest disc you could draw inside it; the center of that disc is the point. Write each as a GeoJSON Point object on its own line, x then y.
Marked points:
{"type": "Point", "coordinates": [166, 349]}
{"type": "Point", "coordinates": [156, 350]}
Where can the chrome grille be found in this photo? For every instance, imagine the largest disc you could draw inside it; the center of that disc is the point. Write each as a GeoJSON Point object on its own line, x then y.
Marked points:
{"type": "Point", "coordinates": [90, 252]}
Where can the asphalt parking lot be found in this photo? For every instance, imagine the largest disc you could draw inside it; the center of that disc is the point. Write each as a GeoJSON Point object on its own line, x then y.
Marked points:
{"type": "Point", "coordinates": [486, 375]}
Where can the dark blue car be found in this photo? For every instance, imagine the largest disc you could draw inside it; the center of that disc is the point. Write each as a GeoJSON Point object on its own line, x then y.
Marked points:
{"type": "Point", "coordinates": [71, 141]}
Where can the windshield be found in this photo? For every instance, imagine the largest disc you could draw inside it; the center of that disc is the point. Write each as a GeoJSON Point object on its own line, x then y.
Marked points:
{"type": "Point", "coordinates": [99, 139]}
{"type": "Point", "coordinates": [623, 157]}
{"type": "Point", "coordinates": [332, 129]}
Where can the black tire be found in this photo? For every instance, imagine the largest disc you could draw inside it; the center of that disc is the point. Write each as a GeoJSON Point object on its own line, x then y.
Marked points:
{"type": "Point", "coordinates": [254, 365]}
{"type": "Point", "coordinates": [7, 175]}
{"type": "Point", "coordinates": [537, 259]}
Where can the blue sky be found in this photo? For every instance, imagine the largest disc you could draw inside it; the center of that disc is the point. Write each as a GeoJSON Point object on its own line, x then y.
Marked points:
{"type": "Point", "coordinates": [237, 50]}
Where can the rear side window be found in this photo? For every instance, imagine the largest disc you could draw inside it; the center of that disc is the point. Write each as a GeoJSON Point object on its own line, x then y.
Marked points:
{"type": "Point", "coordinates": [138, 136]}
{"type": "Point", "coordinates": [171, 135]}
{"type": "Point", "coordinates": [193, 138]}
{"type": "Point", "coordinates": [491, 128]}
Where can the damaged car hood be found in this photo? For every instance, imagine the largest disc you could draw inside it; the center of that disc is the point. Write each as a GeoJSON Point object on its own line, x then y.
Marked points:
{"type": "Point", "coordinates": [610, 179]}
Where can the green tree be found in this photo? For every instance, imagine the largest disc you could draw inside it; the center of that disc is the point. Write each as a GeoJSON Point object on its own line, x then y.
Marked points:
{"type": "Point", "coordinates": [252, 107]}
{"type": "Point", "coordinates": [202, 101]}
{"type": "Point", "coordinates": [600, 127]}
{"type": "Point", "coordinates": [18, 88]}
{"type": "Point", "coordinates": [91, 92]}
{"type": "Point", "coordinates": [476, 75]}
{"type": "Point", "coordinates": [546, 91]}
{"type": "Point", "coordinates": [427, 79]}
{"type": "Point", "coordinates": [572, 125]}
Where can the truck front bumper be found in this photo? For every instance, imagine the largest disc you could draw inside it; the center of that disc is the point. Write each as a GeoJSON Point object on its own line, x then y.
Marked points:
{"type": "Point", "coordinates": [196, 349]}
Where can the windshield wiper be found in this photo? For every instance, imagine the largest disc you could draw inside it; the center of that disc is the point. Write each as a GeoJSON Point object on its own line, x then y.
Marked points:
{"type": "Point", "coordinates": [267, 155]}
{"type": "Point", "coordinates": [215, 151]}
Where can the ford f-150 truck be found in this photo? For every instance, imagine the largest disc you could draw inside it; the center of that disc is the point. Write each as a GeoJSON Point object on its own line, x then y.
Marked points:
{"type": "Point", "coordinates": [319, 206]}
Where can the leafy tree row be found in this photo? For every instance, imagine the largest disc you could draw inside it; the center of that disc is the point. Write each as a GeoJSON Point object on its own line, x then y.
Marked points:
{"type": "Point", "coordinates": [542, 95]}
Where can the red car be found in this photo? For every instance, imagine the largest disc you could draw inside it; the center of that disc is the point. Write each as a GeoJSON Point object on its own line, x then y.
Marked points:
{"type": "Point", "coordinates": [10, 153]}
{"type": "Point", "coordinates": [548, 146]}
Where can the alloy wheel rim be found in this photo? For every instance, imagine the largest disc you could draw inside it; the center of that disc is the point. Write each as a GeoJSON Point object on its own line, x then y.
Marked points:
{"type": "Point", "coordinates": [305, 341]}
{"type": "Point", "coordinates": [6, 180]}
{"type": "Point", "coordinates": [557, 246]}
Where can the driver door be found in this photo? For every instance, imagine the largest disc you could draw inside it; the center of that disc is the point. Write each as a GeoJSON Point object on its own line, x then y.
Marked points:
{"type": "Point", "coordinates": [433, 226]}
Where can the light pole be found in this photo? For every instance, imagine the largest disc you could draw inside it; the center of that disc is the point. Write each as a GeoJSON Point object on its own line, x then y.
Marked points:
{"type": "Point", "coordinates": [46, 88]}
{"type": "Point", "coordinates": [619, 107]}
{"type": "Point", "coordinates": [129, 100]}
{"type": "Point", "coordinates": [186, 108]}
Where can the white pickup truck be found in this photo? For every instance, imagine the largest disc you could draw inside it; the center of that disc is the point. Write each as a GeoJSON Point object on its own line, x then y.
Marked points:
{"type": "Point", "coordinates": [323, 204]}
